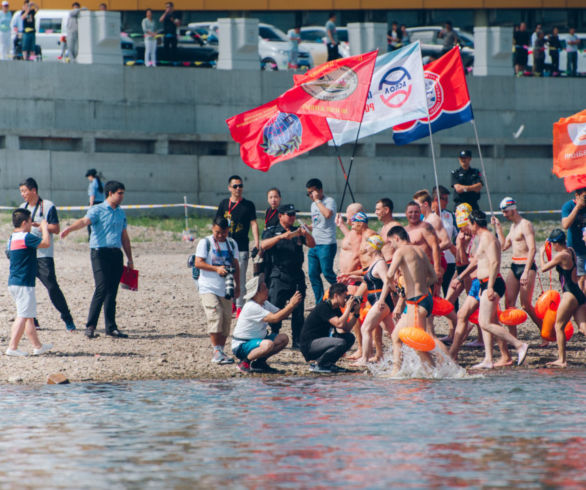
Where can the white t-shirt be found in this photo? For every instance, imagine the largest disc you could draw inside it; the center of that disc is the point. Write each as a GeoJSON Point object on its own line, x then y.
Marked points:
{"type": "Point", "coordinates": [250, 324]}
{"type": "Point", "coordinates": [212, 282]}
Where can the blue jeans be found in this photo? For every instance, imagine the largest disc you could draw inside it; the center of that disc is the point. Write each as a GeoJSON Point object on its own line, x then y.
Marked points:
{"type": "Point", "coordinates": [320, 260]}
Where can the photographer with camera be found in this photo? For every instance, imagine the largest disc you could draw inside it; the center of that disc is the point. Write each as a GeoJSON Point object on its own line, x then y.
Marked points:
{"type": "Point", "coordinates": [326, 336]}
{"type": "Point", "coordinates": [216, 257]}
{"type": "Point", "coordinates": [283, 250]}
{"type": "Point", "coordinates": [573, 220]}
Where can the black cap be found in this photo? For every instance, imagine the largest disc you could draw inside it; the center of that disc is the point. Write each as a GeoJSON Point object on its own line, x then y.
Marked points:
{"type": "Point", "coordinates": [465, 154]}
{"type": "Point", "coordinates": [287, 208]}
{"type": "Point", "coordinates": [91, 172]}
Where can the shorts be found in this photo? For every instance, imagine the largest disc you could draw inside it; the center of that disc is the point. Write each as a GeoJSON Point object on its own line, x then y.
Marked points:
{"type": "Point", "coordinates": [218, 313]}
{"type": "Point", "coordinates": [518, 269]}
{"type": "Point", "coordinates": [475, 290]}
{"type": "Point", "coordinates": [580, 265]}
{"type": "Point", "coordinates": [521, 56]}
{"type": "Point", "coordinates": [499, 286]}
{"type": "Point", "coordinates": [28, 42]}
{"type": "Point", "coordinates": [247, 347]}
{"type": "Point", "coordinates": [25, 299]}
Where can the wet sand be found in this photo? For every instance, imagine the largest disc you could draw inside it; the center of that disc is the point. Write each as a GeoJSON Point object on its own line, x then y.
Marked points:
{"type": "Point", "coordinates": [165, 322]}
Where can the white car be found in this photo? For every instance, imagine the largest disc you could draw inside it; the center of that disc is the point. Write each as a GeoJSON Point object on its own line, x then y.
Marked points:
{"type": "Point", "coordinates": [314, 38]}
{"type": "Point", "coordinates": [273, 46]}
{"type": "Point", "coordinates": [432, 45]}
{"type": "Point", "coordinates": [581, 68]}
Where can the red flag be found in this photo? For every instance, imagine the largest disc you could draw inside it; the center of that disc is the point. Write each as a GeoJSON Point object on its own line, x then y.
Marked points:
{"type": "Point", "coordinates": [336, 89]}
{"type": "Point", "coordinates": [268, 136]}
{"type": "Point", "coordinates": [569, 145]}
{"type": "Point", "coordinates": [575, 182]}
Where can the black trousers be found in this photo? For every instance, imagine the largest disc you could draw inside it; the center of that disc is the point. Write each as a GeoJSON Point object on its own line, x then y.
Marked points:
{"type": "Point", "coordinates": [327, 350]}
{"type": "Point", "coordinates": [279, 294]}
{"type": "Point", "coordinates": [46, 274]}
{"type": "Point", "coordinates": [107, 268]}
{"type": "Point", "coordinates": [170, 47]}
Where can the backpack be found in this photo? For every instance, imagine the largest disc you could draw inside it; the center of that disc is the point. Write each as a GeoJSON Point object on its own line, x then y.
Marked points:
{"type": "Point", "coordinates": [195, 272]}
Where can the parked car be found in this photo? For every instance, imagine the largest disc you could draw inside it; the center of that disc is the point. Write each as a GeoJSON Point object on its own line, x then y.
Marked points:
{"type": "Point", "coordinates": [314, 38]}
{"type": "Point", "coordinates": [564, 55]}
{"type": "Point", "coordinates": [51, 27]}
{"type": "Point", "coordinates": [273, 46]}
{"type": "Point", "coordinates": [432, 45]}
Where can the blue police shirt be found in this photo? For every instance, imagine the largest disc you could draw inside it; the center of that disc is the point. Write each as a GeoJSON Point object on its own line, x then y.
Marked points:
{"type": "Point", "coordinates": [93, 190]}
{"type": "Point", "coordinates": [107, 226]}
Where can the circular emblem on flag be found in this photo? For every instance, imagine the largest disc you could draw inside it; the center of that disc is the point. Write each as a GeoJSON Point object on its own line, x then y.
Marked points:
{"type": "Point", "coordinates": [281, 134]}
{"type": "Point", "coordinates": [337, 84]}
{"type": "Point", "coordinates": [395, 87]}
{"type": "Point", "coordinates": [433, 92]}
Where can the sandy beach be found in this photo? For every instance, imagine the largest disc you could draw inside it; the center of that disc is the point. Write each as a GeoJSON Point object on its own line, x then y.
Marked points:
{"type": "Point", "coordinates": [165, 322]}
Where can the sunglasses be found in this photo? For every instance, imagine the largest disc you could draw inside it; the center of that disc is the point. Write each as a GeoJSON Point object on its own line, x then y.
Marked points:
{"type": "Point", "coordinates": [237, 186]}
{"type": "Point", "coordinates": [291, 214]}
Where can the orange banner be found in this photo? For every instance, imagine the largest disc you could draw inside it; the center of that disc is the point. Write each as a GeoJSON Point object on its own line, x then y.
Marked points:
{"type": "Point", "coordinates": [569, 145]}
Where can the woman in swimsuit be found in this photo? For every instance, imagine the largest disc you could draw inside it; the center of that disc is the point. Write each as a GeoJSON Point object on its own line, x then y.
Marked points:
{"type": "Point", "coordinates": [372, 284]}
{"type": "Point", "coordinates": [573, 299]}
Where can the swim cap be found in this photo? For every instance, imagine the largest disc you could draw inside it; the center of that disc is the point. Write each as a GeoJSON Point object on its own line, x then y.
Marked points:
{"type": "Point", "coordinates": [376, 242]}
{"type": "Point", "coordinates": [508, 203]}
{"type": "Point", "coordinates": [463, 211]}
{"type": "Point", "coordinates": [360, 217]}
{"type": "Point", "coordinates": [557, 236]}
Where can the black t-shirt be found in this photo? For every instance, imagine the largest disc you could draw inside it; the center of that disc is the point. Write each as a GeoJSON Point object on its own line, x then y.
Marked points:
{"type": "Point", "coordinates": [271, 218]}
{"type": "Point", "coordinates": [239, 217]}
{"type": "Point", "coordinates": [317, 325]}
{"type": "Point", "coordinates": [522, 38]}
{"type": "Point", "coordinates": [466, 177]}
{"type": "Point", "coordinates": [28, 22]}
{"type": "Point", "coordinates": [169, 26]}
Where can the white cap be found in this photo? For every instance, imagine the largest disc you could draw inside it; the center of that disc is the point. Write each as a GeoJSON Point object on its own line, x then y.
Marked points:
{"type": "Point", "coordinates": [508, 203]}
{"type": "Point", "coordinates": [5, 3]}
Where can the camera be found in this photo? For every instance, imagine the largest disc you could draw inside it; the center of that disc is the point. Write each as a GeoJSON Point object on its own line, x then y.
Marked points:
{"type": "Point", "coordinates": [229, 282]}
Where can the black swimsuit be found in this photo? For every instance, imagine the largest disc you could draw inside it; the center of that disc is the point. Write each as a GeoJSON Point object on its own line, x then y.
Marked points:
{"type": "Point", "coordinates": [375, 286]}
{"type": "Point", "coordinates": [568, 284]}
{"type": "Point", "coordinates": [518, 269]}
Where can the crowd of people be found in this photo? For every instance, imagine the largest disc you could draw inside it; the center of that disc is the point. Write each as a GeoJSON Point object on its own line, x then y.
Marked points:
{"type": "Point", "coordinates": [387, 278]}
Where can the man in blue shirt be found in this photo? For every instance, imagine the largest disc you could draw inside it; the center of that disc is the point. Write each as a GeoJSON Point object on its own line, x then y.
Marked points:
{"type": "Point", "coordinates": [108, 236]}
{"type": "Point", "coordinates": [574, 220]}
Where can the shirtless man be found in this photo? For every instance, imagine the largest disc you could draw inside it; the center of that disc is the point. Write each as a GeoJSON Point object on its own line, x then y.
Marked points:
{"type": "Point", "coordinates": [423, 235]}
{"type": "Point", "coordinates": [492, 288]}
{"type": "Point", "coordinates": [418, 276]}
{"type": "Point", "coordinates": [521, 279]}
{"type": "Point", "coordinates": [384, 213]}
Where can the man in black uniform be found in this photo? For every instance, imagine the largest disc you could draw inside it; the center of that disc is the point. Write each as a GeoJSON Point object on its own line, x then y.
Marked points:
{"type": "Point", "coordinates": [467, 182]}
{"type": "Point", "coordinates": [283, 248]}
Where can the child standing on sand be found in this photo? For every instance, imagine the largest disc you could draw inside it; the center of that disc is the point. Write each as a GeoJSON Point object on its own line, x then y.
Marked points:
{"type": "Point", "coordinates": [22, 252]}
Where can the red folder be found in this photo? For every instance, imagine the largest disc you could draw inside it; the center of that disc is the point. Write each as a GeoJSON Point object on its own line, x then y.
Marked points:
{"type": "Point", "coordinates": [129, 279]}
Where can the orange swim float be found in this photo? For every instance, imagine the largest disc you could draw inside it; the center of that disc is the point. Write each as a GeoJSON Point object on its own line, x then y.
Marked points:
{"type": "Point", "coordinates": [548, 327]}
{"type": "Point", "coordinates": [474, 317]}
{"type": "Point", "coordinates": [417, 339]}
{"type": "Point", "coordinates": [548, 300]}
{"type": "Point", "coordinates": [512, 317]}
{"type": "Point", "coordinates": [441, 306]}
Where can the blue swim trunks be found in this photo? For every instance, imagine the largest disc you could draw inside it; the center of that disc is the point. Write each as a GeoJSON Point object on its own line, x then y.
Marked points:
{"type": "Point", "coordinates": [475, 290]}
{"type": "Point", "coordinates": [247, 347]}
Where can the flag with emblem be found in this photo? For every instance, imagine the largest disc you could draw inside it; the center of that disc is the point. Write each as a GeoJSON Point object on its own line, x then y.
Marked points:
{"type": "Point", "coordinates": [268, 136]}
{"type": "Point", "coordinates": [569, 147]}
{"type": "Point", "coordinates": [396, 95]}
{"type": "Point", "coordinates": [337, 89]}
{"type": "Point", "coordinates": [448, 100]}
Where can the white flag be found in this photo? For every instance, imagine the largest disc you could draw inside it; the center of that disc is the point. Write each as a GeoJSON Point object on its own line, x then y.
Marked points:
{"type": "Point", "coordinates": [397, 95]}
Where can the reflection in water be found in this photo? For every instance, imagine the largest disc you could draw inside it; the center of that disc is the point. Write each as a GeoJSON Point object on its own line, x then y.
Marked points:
{"type": "Point", "coordinates": [511, 429]}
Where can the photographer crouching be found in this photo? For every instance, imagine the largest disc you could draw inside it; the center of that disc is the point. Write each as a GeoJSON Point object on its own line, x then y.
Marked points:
{"type": "Point", "coordinates": [216, 257]}
{"type": "Point", "coordinates": [326, 336]}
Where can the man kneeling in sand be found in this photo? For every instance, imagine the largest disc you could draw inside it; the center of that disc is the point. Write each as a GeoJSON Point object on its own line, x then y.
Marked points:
{"type": "Point", "coordinates": [419, 275]}
{"type": "Point", "coordinates": [251, 342]}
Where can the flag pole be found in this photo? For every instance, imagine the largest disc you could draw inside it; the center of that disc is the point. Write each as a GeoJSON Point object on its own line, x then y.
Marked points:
{"type": "Point", "coordinates": [434, 164]}
{"type": "Point", "coordinates": [483, 168]}
{"type": "Point", "coordinates": [336, 147]}
{"type": "Point", "coordinates": [350, 167]}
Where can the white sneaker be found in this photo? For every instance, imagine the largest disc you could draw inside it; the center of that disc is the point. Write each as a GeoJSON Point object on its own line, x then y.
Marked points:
{"type": "Point", "coordinates": [41, 350]}
{"type": "Point", "coordinates": [221, 358]}
{"type": "Point", "coordinates": [15, 353]}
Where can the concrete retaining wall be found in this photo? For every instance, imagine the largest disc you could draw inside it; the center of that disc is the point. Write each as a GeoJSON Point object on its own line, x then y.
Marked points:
{"type": "Point", "coordinates": [162, 132]}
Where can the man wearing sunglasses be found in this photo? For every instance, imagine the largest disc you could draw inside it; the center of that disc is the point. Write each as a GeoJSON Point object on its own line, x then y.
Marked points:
{"type": "Point", "coordinates": [283, 247]}
{"type": "Point", "coordinates": [241, 216]}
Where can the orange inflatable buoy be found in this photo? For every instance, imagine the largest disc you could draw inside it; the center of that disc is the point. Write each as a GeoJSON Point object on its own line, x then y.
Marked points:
{"type": "Point", "coordinates": [417, 339]}
{"type": "Point", "coordinates": [441, 306]}
{"type": "Point", "coordinates": [548, 299]}
{"type": "Point", "coordinates": [548, 327]}
{"type": "Point", "coordinates": [474, 317]}
{"type": "Point", "coordinates": [569, 331]}
{"type": "Point", "coordinates": [512, 317]}
{"type": "Point", "coordinates": [363, 312]}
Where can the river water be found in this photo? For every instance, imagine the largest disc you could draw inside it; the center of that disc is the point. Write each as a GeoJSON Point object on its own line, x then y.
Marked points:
{"type": "Point", "coordinates": [512, 429]}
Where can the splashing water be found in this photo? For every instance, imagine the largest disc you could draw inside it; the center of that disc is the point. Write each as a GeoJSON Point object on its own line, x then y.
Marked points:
{"type": "Point", "coordinates": [412, 367]}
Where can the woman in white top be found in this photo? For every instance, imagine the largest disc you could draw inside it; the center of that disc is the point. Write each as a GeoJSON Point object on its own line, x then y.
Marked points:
{"type": "Point", "coordinates": [150, 41]}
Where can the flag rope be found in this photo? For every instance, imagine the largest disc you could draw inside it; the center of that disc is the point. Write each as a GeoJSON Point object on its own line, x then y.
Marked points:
{"type": "Point", "coordinates": [483, 168]}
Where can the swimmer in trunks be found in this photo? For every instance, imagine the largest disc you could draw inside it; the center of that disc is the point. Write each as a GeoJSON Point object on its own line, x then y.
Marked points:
{"type": "Point", "coordinates": [384, 213]}
{"type": "Point", "coordinates": [492, 288]}
{"type": "Point", "coordinates": [418, 275]}
{"type": "Point", "coordinates": [521, 280]}
{"type": "Point", "coordinates": [573, 301]}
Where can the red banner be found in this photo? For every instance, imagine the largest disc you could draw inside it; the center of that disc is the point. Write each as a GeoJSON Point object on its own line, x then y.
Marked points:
{"type": "Point", "coordinates": [569, 145]}
{"type": "Point", "coordinates": [336, 89]}
{"type": "Point", "coordinates": [268, 136]}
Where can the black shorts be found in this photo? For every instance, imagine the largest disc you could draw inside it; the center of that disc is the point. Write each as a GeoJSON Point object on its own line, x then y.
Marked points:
{"type": "Point", "coordinates": [518, 269]}
{"type": "Point", "coordinates": [499, 286]}
{"type": "Point", "coordinates": [520, 56]}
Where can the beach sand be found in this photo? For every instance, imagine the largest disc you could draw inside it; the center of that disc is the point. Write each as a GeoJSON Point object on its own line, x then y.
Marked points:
{"type": "Point", "coordinates": [165, 322]}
